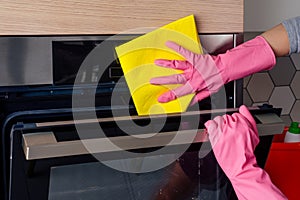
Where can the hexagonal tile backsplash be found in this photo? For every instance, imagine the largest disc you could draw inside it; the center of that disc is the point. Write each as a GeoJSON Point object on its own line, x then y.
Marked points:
{"type": "Point", "coordinates": [282, 97]}
{"type": "Point", "coordinates": [264, 91]}
{"type": "Point", "coordinates": [279, 87]}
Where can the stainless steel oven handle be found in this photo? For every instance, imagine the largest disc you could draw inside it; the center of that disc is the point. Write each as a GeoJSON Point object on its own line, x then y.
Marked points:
{"type": "Point", "coordinates": [44, 144]}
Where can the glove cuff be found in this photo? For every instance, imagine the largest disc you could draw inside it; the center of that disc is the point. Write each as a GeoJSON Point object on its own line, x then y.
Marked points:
{"type": "Point", "coordinates": [248, 58]}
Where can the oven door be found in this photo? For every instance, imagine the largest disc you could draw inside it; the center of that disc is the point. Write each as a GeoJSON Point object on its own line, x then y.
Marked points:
{"type": "Point", "coordinates": [49, 159]}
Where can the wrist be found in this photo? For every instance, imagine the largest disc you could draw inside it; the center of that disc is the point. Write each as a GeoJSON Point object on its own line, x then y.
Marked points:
{"type": "Point", "coordinates": [277, 38]}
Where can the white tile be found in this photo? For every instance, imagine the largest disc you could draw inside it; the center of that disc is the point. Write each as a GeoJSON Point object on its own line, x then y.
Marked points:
{"type": "Point", "coordinates": [295, 85]}
{"type": "Point", "coordinates": [295, 113]}
{"type": "Point", "coordinates": [282, 97]}
{"type": "Point", "coordinates": [260, 87]}
{"type": "Point", "coordinates": [283, 71]}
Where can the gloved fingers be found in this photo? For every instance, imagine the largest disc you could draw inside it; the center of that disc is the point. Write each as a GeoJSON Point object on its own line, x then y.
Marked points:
{"type": "Point", "coordinates": [166, 97]}
{"type": "Point", "coordinates": [254, 138]}
{"type": "Point", "coordinates": [214, 129]}
{"type": "Point", "coordinates": [210, 125]}
{"type": "Point", "coordinates": [175, 93]}
{"type": "Point", "coordinates": [174, 64]}
{"type": "Point", "coordinates": [246, 113]}
{"type": "Point", "coordinates": [220, 120]}
{"type": "Point", "coordinates": [187, 54]}
{"type": "Point", "coordinates": [173, 79]}
{"type": "Point", "coordinates": [183, 90]}
{"type": "Point", "coordinates": [200, 95]}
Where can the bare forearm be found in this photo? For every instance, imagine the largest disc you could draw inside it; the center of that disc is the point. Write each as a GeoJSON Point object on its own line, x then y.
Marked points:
{"type": "Point", "coordinates": [285, 37]}
{"type": "Point", "coordinates": [277, 37]}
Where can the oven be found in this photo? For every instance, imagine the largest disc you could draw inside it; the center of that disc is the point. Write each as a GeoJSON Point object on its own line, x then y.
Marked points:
{"type": "Point", "coordinates": [62, 140]}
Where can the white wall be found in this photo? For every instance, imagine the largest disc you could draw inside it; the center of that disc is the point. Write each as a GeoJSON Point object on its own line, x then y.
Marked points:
{"type": "Point", "coordinates": [261, 15]}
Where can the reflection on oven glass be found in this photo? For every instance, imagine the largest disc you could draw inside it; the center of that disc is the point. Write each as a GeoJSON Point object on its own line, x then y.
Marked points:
{"type": "Point", "coordinates": [96, 181]}
{"type": "Point", "coordinates": [187, 178]}
{"type": "Point", "coordinates": [69, 55]}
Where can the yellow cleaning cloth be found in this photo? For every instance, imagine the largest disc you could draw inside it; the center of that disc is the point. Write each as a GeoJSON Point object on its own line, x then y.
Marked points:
{"type": "Point", "coordinates": [137, 61]}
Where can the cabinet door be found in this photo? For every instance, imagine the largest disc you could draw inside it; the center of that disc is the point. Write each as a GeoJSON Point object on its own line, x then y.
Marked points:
{"type": "Point", "coordinates": [26, 17]}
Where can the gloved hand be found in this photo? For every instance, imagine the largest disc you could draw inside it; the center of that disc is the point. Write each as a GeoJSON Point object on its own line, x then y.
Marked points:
{"type": "Point", "coordinates": [205, 74]}
{"type": "Point", "coordinates": [233, 139]}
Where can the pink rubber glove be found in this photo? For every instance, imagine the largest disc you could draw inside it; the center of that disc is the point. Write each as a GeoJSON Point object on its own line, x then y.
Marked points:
{"type": "Point", "coordinates": [233, 139]}
{"type": "Point", "coordinates": [205, 74]}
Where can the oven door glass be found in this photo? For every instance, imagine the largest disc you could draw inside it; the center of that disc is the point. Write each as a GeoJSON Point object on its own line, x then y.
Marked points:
{"type": "Point", "coordinates": [42, 170]}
